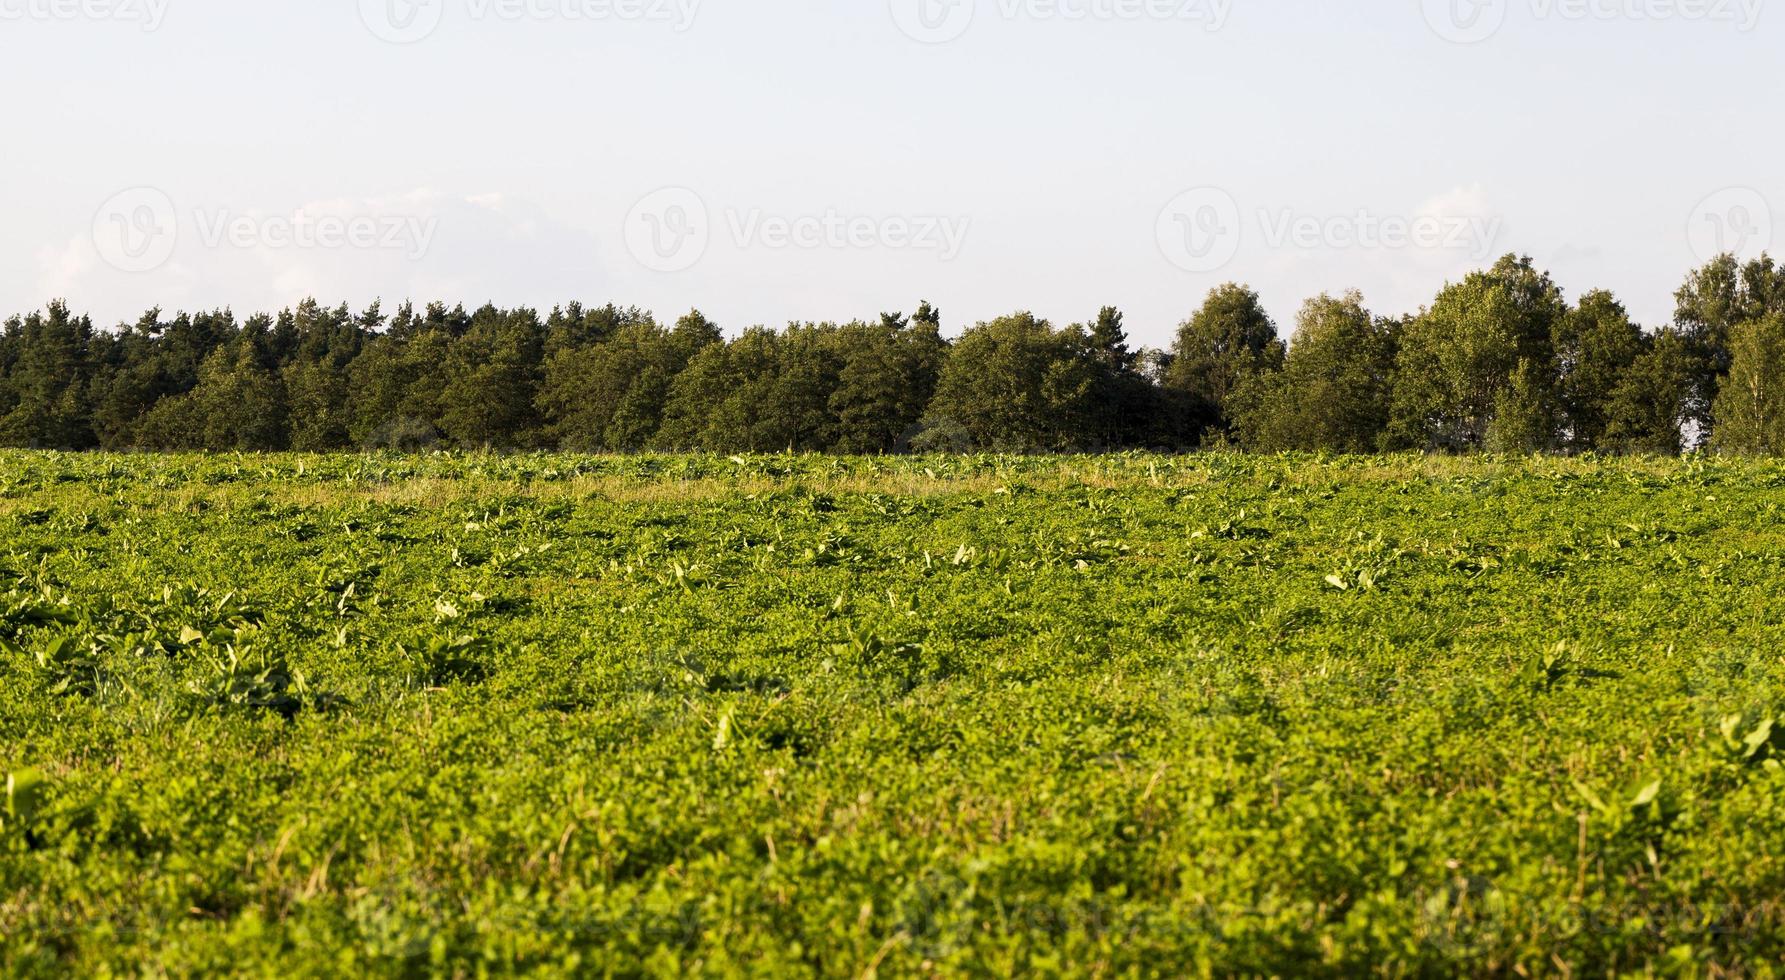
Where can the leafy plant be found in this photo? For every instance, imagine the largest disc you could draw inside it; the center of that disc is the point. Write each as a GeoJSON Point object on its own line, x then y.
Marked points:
{"type": "Point", "coordinates": [447, 660]}
{"type": "Point", "coordinates": [1547, 669]}
{"type": "Point", "coordinates": [251, 679]}
{"type": "Point", "coordinates": [1644, 811]}
{"type": "Point", "coordinates": [25, 792]}
{"type": "Point", "coordinates": [67, 666]}
{"type": "Point", "coordinates": [1755, 745]}
{"type": "Point", "coordinates": [21, 610]}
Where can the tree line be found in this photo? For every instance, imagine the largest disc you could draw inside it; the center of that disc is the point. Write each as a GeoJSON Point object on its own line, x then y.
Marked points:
{"type": "Point", "coordinates": [1499, 361]}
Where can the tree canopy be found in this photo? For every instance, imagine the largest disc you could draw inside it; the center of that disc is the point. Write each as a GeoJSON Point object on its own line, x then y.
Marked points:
{"type": "Point", "coordinates": [1499, 360]}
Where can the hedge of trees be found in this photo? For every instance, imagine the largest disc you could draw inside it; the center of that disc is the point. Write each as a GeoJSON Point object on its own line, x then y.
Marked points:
{"type": "Point", "coordinates": [1500, 360]}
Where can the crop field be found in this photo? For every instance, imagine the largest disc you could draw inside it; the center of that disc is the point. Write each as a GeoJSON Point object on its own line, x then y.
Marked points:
{"type": "Point", "coordinates": [1131, 715]}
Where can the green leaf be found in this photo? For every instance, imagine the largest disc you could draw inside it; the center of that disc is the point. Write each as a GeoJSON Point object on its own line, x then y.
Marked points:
{"type": "Point", "coordinates": [1591, 797]}
{"type": "Point", "coordinates": [1758, 739]}
{"type": "Point", "coordinates": [24, 794]}
{"type": "Point", "coordinates": [53, 650]}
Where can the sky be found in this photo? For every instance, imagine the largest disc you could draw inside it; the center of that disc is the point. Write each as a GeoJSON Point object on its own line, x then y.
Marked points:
{"type": "Point", "coordinates": [809, 160]}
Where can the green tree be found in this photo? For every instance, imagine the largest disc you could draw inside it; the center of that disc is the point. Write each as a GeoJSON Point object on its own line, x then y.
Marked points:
{"type": "Point", "coordinates": [237, 406]}
{"type": "Point", "coordinates": [1527, 417]}
{"type": "Point", "coordinates": [1652, 399]}
{"type": "Point", "coordinates": [696, 392]}
{"type": "Point", "coordinates": [129, 381]}
{"type": "Point", "coordinates": [695, 397]}
{"type": "Point", "coordinates": [493, 374]}
{"type": "Point", "coordinates": [48, 401]}
{"type": "Point", "coordinates": [887, 378]}
{"type": "Point", "coordinates": [395, 385]}
{"type": "Point", "coordinates": [315, 347]}
{"type": "Point", "coordinates": [1227, 341]}
{"type": "Point", "coordinates": [795, 410]}
{"type": "Point", "coordinates": [317, 398]}
{"type": "Point", "coordinates": [734, 397]}
{"type": "Point", "coordinates": [1333, 392]}
{"type": "Point", "coordinates": [694, 333]}
{"type": "Point", "coordinates": [1596, 344]}
{"type": "Point", "coordinates": [610, 395]}
{"type": "Point", "coordinates": [1750, 407]}
{"type": "Point", "coordinates": [1124, 402]}
{"type": "Point", "coordinates": [573, 327]}
{"type": "Point", "coordinates": [1015, 384]}
{"type": "Point", "coordinates": [1715, 299]}
{"type": "Point", "coordinates": [1458, 360]}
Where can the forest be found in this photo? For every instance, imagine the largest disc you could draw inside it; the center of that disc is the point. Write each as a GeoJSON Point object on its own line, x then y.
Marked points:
{"type": "Point", "coordinates": [1501, 361]}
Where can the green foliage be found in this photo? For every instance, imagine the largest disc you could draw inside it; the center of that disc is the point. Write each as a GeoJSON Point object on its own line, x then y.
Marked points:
{"type": "Point", "coordinates": [1229, 340]}
{"type": "Point", "coordinates": [397, 381]}
{"type": "Point", "coordinates": [447, 660]}
{"type": "Point", "coordinates": [251, 679]}
{"type": "Point", "coordinates": [1597, 345]}
{"type": "Point", "coordinates": [1653, 399]}
{"type": "Point", "coordinates": [44, 384]}
{"type": "Point", "coordinates": [25, 791]}
{"type": "Point", "coordinates": [1758, 745]}
{"type": "Point", "coordinates": [888, 376]}
{"type": "Point", "coordinates": [1499, 362]}
{"type": "Point", "coordinates": [1710, 306]}
{"type": "Point", "coordinates": [1544, 672]}
{"type": "Point", "coordinates": [1333, 392]}
{"type": "Point", "coordinates": [610, 395]}
{"type": "Point", "coordinates": [1526, 417]}
{"type": "Point", "coordinates": [1750, 407]}
{"type": "Point", "coordinates": [1483, 348]}
{"type": "Point", "coordinates": [492, 379]}
{"type": "Point", "coordinates": [1134, 715]}
{"type": "Point", "coordinates": [65, 666]}
{"type": "Point", "coordinates": [239, 402]}
{"type": "Point", "coordinates": [1016, 384]}
{"type": "Point", "coordinates": [1126, 409]}
{"type": "Point", "coordinates": [764, 391]}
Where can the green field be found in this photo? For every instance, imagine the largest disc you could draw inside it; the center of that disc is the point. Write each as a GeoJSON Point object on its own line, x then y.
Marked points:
{"type": "Point", "coordinates": [781, 715]}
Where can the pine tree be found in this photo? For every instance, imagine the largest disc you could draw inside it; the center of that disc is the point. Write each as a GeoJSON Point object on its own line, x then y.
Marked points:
{"type": "Point", "coordinates": [50, 405]}
{"type": "Point", "coordinates": [493, 374]}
